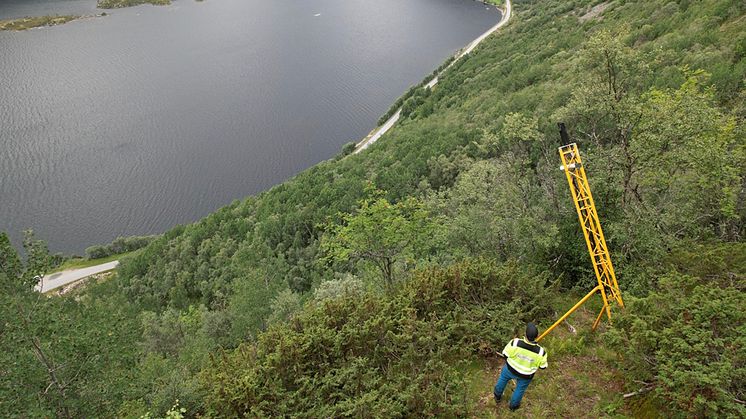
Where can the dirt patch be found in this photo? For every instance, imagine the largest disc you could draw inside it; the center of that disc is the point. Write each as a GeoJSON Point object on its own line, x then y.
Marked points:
{"type": "Point", "coordinates": [79, 285]}
{"type": "Point", "coordinates": [595, 12]}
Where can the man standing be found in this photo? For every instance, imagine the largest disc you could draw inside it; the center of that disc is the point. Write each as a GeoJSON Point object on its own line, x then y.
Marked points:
{"type": "Point", "coordinates": [522, 358]}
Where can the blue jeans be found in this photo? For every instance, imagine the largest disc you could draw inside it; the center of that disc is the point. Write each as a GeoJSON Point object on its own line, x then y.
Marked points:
{"type": "Point", "coordinates": [521, 385]}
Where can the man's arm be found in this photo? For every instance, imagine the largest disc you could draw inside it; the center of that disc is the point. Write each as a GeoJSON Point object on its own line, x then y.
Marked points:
{"type": "Point", "coordinates": [509, 350]}
{"type": "Point", "coordinates": [543, 354]}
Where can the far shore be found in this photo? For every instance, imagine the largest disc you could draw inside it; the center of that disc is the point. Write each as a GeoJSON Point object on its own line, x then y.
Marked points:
{"type": "Point", "coordinates": [24, 23]}
{"type": "Point", "coordinates": [30, 22]}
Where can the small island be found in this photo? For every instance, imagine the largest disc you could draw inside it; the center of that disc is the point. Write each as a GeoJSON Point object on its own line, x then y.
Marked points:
{"type": "Point", "coordinates": [118, 4]}
{"type": "Point", "coordinates": [24, 23]}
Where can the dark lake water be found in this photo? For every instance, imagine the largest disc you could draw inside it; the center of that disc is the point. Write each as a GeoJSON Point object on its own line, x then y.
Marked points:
{"type": "Point", "coordinates": [153, 116]}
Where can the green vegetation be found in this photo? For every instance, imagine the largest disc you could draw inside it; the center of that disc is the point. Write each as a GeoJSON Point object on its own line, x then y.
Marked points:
{"type": "Point", "coordinates": [417, 90]}
{"type": "Point", "coordinates": [689, 335]}
{"type": "Point", "coordinates": [118, 246]}
{"type": "Point", "coordinates": [118, 4]}
{"type": "Point", "coordinates": [78, 263]}
{"type": "Point", "coordinates": [383, 353]}
{"type": "Point", "coordinates": [385, 281]}
{"type": "Point", "coordinates": [24, 23]}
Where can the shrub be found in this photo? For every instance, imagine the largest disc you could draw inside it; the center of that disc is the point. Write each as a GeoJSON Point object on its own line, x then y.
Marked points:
{"type": "Point", "coordinates": [392, 355]}
{"type": "Point", "coordinates": [687, 342]}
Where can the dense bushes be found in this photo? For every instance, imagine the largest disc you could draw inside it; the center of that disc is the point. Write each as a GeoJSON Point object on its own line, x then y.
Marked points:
{"type": "Point", "coordinates": [687, 339]}
{"type": "Point", "coordinates": [387, 355]}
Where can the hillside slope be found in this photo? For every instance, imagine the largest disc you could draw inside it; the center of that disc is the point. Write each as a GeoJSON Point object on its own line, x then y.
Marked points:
{"type": "Point", "coordinates": [382, 283]}
{"type": "Point", "coordinates": [540, 69]}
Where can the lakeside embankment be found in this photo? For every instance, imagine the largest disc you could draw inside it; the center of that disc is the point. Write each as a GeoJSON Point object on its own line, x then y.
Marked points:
{"type": "Point", "coordinates": [378, 132]}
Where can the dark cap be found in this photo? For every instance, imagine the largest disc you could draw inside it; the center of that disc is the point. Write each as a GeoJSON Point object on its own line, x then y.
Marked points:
{"type": "Point", "coordinates": [531, 332]}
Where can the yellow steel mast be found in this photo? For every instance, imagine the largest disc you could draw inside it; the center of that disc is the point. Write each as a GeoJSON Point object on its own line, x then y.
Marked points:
{"type": "Point", "coordinates": [594, 236]}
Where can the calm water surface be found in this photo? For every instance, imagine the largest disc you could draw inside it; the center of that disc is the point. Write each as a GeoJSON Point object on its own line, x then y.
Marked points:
{"type": "Point", "coordinates": [131, 123]}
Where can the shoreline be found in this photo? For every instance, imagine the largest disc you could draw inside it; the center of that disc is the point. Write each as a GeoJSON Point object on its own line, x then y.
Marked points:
{"type": "Point", "coordinates": [382, 129]}
{"type": "Point", "coordinates": [33, 22]}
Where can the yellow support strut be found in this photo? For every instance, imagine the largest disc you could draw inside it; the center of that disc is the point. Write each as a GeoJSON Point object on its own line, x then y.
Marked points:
{"type": "Point", "coordinates": [594, 236]}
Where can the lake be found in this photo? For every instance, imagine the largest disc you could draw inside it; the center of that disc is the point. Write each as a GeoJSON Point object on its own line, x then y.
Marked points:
{"type": "Point", "coordinates": [149, 117]}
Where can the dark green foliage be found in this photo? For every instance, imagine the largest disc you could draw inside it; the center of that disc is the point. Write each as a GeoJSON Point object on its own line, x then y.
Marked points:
{"type": "Point", "coordinates": [372, 354]}
{"type": "Point", "coordinates": [412, 103]}
{"type": "Point", "coordinates": [119, 245]}
{"type": "Point", "coordinates": [687, 338]}
{"type": "Point", "coordinates": [10, 263]}
{"type": "Point", "coordinates": [63, 356]}
{"type": "Point", "coordinates": [347, 149]}
{"type": "Point", "coordinates": [414, 90]}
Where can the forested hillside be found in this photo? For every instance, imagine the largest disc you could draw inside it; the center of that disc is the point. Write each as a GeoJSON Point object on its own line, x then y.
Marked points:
{"type": "Point", "coordinates": [371, 284]}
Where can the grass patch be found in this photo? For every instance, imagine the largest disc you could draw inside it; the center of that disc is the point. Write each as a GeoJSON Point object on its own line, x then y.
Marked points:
{"type": "Point", "coordinates": [78, 263]}
{"type": "Point", "coordinates": [24, 23]}
{"type": "Point", "coordinates": [581, 380]}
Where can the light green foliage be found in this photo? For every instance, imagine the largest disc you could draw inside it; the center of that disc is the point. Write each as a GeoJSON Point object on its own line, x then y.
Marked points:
{"type": "Point", "coordinates": [689, 162]}
{"type": "Point", "coordinates": [384, 234]}
{"type": "Point", "coordinates": [496, 209]}
{"type": "Point", "coordinates": [346, 287]}
{"type": "Point", "coordinates": [518, 134]}
{"type": "Point", "coordinates": [249, 306]}
{"type": "Point", "coordinates": [284, 306]}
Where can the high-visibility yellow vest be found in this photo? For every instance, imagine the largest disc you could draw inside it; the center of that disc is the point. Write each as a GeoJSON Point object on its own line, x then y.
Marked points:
{"type": "Point", "coordinates": [524, 357]}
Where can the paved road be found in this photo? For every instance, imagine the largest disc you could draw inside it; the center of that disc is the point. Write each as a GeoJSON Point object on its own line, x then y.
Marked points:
{"type": "Point", "coordinates": [378, 132]}
{"type": "Point", "coordinates": [56, 280]}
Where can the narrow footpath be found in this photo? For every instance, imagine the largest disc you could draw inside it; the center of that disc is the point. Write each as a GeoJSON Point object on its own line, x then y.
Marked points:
{"type": "Point", "coordinates": [378, 132]}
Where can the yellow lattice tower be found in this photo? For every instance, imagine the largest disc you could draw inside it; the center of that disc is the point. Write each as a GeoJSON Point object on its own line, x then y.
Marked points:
{"type": "Point", "coordinates": [594, 236]}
